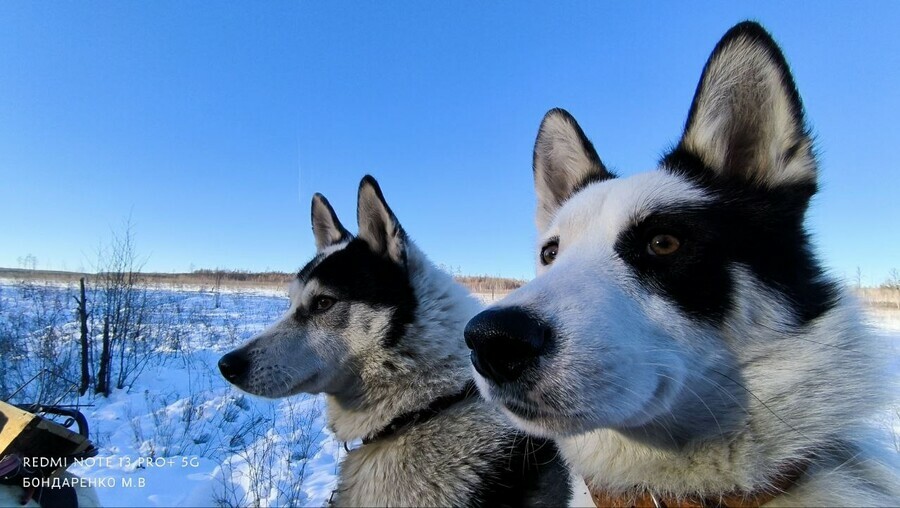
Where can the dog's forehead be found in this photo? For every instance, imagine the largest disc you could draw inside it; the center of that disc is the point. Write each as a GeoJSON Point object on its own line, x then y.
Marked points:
{"type": "Point", "coordinates": [306, 276]}
{"type": "Point", "coordinates": [307, 271]}
{"type": "Point", "coordinates": [300, 289]}
{"type": "Point", "coordinates": [295, 289]}
{"type": "Point", "coordinates": [610, 206]}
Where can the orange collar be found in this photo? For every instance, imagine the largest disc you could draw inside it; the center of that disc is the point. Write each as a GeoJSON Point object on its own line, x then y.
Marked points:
{"type": "Point", "coordinates": [785, 479]}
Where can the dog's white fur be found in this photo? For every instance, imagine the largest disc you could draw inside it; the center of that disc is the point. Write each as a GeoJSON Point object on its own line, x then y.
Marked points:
{"type": "Point", "coordinates": [643, 397]}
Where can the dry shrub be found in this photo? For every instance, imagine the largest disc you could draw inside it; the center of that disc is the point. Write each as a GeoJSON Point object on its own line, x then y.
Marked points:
{"type": "Point", "coordinates": [883, 297]}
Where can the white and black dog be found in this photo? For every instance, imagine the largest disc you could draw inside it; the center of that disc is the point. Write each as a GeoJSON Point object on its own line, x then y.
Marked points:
{"type": "Point", "coordinates": [378, 328]}
{"type": "Point", "coordinates": [681, 342]}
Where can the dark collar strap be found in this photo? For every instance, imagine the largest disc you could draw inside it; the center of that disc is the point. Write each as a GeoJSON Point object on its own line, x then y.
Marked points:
{"type": "Point", "coordinates": [423, 415]}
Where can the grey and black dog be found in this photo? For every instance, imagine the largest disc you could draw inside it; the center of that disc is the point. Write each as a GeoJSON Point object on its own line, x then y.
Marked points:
{"type": "Point", "coordinates": [681, 342]}
{"type": "Point", "coordinates": [377, 327]}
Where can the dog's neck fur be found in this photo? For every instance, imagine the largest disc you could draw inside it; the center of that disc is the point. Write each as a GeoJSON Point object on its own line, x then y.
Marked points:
{"type": "Point", "coordinates": [436, 363]}
{"type": "Point", "coordinates": [824, 428]}
{"type": "Point", "coordinates": [785, 480]}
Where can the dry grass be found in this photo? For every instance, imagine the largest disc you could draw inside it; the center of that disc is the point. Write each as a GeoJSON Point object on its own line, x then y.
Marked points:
{"type": "Point", "coordinates": [238, 279]}
{"type": "Point", "coordinates": [488, 287]}
{"type": "Point", "coordinates": [232, 279]}
{"type": "Point", "coordinates": [882, 298]}
{"type": "Point", "coordinates": [40, 275]}
{"type": "Point", "coordinates": [487, 284]}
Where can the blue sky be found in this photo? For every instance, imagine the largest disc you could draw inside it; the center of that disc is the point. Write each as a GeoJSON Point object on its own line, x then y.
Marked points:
{"type": "Point", "coordinates": [211, 124]}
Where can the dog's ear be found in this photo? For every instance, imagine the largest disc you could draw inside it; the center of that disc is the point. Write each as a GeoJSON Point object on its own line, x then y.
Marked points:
{"type": "Point", "coordinates": [564, 162]}
{"type": "Point", "coordinates": [746, 120]}
{"type": "Point", "coordinates": [326, 227]}
{"type": "Point", "coordinates": [378, 226]}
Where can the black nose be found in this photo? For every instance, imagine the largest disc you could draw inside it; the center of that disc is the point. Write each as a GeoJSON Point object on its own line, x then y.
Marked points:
{"type": "Point", "coordinates": [233, 365]}
{"type": "Point", "coordinates": [504, 342]}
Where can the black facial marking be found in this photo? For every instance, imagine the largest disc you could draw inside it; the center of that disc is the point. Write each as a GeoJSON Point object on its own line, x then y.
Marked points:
{"type": "Point", "coordinates": [696, 276]}
{"type": "Point", "coordinates": [356, 274]}
{"type": "Point", "coordinates": [758, 228]}
{"type": "Point", "coordinates": [303, 274]}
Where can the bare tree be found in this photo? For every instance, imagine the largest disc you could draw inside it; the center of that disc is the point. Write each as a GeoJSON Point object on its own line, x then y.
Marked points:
{"type": "Point", "coordinates": [85, 341]}
{"type": "Point", "coordinates": [29, 261]}
{"type": "Point", "coordinates": [103, 371]}
{"type": "Point", "coordinates": [218, 275]}
{"type": "Point", "coordinates": [123, 309]}
{"type": "Point", "coordinates": [893, 280]}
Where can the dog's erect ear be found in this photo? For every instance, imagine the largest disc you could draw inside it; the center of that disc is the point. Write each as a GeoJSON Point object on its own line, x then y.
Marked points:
{"type": "Point", "coordinates": [564, 162]}
{"type": "Point", "coordinates": [378, 226]}
{"type": "Point", "coordinates": [327, 229]}
{"type": "Point", "coordinates": [746, 120]}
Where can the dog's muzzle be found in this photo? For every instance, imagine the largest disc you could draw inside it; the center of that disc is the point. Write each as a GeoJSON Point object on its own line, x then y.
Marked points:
{"type": "Point", "coordinates": [505, 342]}
{"type": "Point", "coordinates": [234, 366]}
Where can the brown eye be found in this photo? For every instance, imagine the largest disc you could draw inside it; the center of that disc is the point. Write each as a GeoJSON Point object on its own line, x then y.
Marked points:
{"type": "Point", "coordinates": [663, 245]}
{"type": "Point", "coordinates": [548, 253]}
{"type": "Point", "coordinates": [322, 303]}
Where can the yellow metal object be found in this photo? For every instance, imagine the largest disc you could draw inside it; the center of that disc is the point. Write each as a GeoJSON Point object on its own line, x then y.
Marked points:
{"type": "Point", "coordinates": [39, 441]}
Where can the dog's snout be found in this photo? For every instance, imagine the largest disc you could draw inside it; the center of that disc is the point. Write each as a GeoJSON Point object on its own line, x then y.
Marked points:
{"type": "Point", "coordinates": [234, 365]}
{"type": "Point", "coordinates": [504, 342]}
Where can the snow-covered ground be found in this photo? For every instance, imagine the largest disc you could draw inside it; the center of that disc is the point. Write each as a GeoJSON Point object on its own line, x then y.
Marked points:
{"type": "Point", "coordinates": [179, 435]}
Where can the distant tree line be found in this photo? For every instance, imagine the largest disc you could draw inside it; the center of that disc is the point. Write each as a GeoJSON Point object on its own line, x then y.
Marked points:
{"type": "Point", "coordinates": [242, 275]}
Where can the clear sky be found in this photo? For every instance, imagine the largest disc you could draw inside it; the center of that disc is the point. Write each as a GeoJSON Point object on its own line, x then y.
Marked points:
{"type": "Point", "coordinates": [211, 124]}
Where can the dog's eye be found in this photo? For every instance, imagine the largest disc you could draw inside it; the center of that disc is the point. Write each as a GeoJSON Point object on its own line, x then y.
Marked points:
{"type": "Point", "coordinates": [322, 303]}
{"type": "Point", "coordinates": [548, 253]}
{"type": "Point", "coordinates": [663, 245]}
